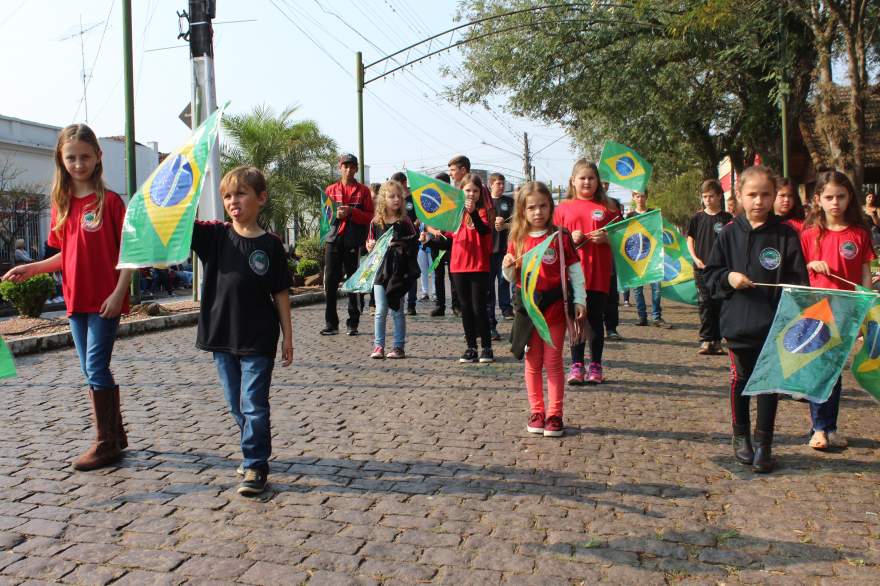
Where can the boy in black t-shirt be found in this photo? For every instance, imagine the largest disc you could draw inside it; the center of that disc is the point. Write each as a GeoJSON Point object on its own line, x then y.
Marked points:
{"type": "Point", "coordinates": [245, 304]}
{"type": "Point", "coordinates": [503, 210]}
{"type": "Point", "coordinates": [702, 232]}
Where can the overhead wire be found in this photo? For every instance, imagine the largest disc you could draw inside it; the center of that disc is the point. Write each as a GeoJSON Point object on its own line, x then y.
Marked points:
{"type": "Point", "coordinates": [309, 37]}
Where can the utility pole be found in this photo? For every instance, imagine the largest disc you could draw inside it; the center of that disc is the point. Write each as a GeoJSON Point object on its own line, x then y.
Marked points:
{"type": "Point", "coordinates": [130, 161]}
{"type": "Point", "coordinates": [359, 80]}
{"type": "Point", "coordinates": [527, 158]}
{"type": "Point", "coordinates": [204, 102]}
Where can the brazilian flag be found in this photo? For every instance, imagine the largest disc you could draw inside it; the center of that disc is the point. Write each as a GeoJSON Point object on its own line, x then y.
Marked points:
{"type": "Point", "coordinates": [362, 279]}
{"type": "Point", "coordinates": [866, 364]}
{"type": "Point", "coordinates": [531, 269]}
{"type": "Point", "coordinates": [436, 203]}
{"type": "Point", "coordinates": [158, 225]}
{"type": "Point", "coordinates": [809, 341]}
{"type": "Point", "coordinates": [637, 247]}
{"type": "Point", "coordinates": [7, 364]}
{"type": "Point", "coordinates": [678, 268]}
{"type": "Point", "coordinates": [328, 215]}
{"type": "Point", "coordinates": [623, 166]}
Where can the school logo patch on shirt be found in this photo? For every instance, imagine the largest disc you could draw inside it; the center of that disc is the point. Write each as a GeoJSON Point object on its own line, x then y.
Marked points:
{"type": "Point", "coordinates": [409, 206]}
{"type": "Point", "coordinates": [90, 221]}
{"type": "Point", "coordinates": [598, 215]}
{"type": "Point", "coordinates": [770, 258]}
{"type": "Point", "coordinates": [504, 207]}
{"type": "Point", "coordinates": [849, 250]}
{"type": "Point", "coordinates": [259, 262]}
{"type": "Point", "coordinates": [717, 227]}
{"type": "Point", "coordinates": [549, 256]}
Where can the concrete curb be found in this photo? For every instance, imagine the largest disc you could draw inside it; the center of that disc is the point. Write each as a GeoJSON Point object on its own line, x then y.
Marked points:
{"type": "Point", "coordinates": [47, 342]}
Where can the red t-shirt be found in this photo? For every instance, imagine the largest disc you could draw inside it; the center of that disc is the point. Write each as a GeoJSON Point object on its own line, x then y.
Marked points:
{"type": "Point", "coordinates": [795, 223]}
{"type": "Point", "coordinates": [470, 249]}
{"type": "Point", "coordinates": [587, 216]}
{"type": "Point", "coordinates": [550, 275]}
{"type": "Point", "coordinates": [89, 252]}
{"type": "Point", "coordinates": [356, 195]}
{"type": "Point", "coordinates": [846, 253]}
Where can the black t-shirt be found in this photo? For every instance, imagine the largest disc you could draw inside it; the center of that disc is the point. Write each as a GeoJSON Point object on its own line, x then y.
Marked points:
{"type": "Point", "coordinates": [238, 313]}
{"type": "Point", "coordinates": [633, 213]}
{"type": "Point", "coordinates": [410, 208]}
{"type": "Point", "coordinates": [503, 209]}
{"type": "Point", "coordinates": [704, 229]}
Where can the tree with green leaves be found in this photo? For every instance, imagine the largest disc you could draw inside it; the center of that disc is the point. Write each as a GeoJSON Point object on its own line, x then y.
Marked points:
{"type": "Point", "coordinates": [296, 158]}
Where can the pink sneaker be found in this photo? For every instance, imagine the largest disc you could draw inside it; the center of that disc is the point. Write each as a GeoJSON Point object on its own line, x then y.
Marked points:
{"type": "Point", "coordinates": [594, 376]}
{"type": "Point", "coordinates": [576, 374]}
{"type": "Point", "coordinates": [378, 352]}
{"type": "Point", "coordinates": [536, 423]}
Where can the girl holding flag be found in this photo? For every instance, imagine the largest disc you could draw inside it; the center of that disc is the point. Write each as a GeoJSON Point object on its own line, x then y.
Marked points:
{"type": "Point", "coordinates": [532, 225]}
{"type": "Point", "coordinates": [586, 211]}
{"type": "Point", "coordinates": [837, 248]}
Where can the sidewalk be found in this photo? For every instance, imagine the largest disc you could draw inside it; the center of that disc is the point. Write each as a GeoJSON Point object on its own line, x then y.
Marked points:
{"type": "Point", "coordinates": [420, 471]}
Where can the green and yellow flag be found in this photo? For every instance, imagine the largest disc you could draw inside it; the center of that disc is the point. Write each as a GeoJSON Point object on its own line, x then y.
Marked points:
{"type": "Point", "coordinates": [809, 341]}
{"type": "Point", "coordinates": [159, 220]}
{"type": "Point", "coordinates": [362, 279]}
{"type": "Point", "coordinates": [866, 363]}
{"type": "Point", "coordinates": [622, 166]}
{"type": "Point", "coordinates": [7, 364]}
{"type": "Point", "coordinates": [328, 214]}
{"type": "Point", "coordinates": [436, 203]}
{"type": "Point", "coordinates": [636, 244]}
{"type": "Point", "coordinates": [531, 269]}
{"type": "Point", "coordinates": [678, 268]}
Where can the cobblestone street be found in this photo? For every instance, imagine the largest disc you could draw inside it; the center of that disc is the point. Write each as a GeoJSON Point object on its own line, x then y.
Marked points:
{"type": "Point", "coordinates": [420, 471]}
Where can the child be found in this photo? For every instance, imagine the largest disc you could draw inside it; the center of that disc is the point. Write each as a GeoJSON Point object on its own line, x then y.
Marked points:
{"type": "Point", "coordinates": [503, 205]}
{"type": "Point", "coordinates": [532, 223]}
{"type": "Point", "coordinates": [245, 303]}
{"type": "Point", "coordinates": [469, 267]}
{"type": "Point", "coordinates": [86, 222]}
{"type": "Point", "coordinates": [835, 243]}
{"type": "Point", "coordinates": [399, 269]}
{"type": "Point", "coordinates": [641, 206]}
{"type": "Point", "coordinates": [702, 232]}
{"type": "Point", "coordinates": [788, 205]}
{"type": "Point", "coordinates": [756, 248]}
{"type": "Point", "coordinates": [583, 214]}
{"type": "Point", "coordinates": [437, 247]}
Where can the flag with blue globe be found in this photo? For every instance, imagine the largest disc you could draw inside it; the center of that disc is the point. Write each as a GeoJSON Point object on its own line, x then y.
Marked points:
{"type": "Point", "coordinates": [623, 166]}
{"type": "Point", "coordinates": [678, 268]}
{"type": "Point", "coordinates": [637, 246]}
{"type": "Point", "coordinates": [810, 339]}
{"type": "Point", "coordinates": [436, 203]}
{"type": "Point", "coordinates": [866, 363]}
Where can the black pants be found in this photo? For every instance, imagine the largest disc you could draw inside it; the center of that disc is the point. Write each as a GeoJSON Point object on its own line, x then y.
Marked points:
{"type": "Point", "coordinates": [612, 310]}
{"type": "Point", "coordinates": [473, 290]}
{"type": "Point", "coordinates": [596, 302]}
{"type": "Point", "coordinates": [710, 311]}
{"type": "Point", "coordinates": [742, 362]}
{"type": "Point", "coordinates": [440, 280]}
{"type": "Point", "coordinates": [340, 263]}
{"type": "Point", "coordinates": [412, 295]}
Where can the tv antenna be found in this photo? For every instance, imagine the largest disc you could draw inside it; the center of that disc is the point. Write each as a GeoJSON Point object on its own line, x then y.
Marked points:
{"type": "Point", "coordinates": [81, 33]}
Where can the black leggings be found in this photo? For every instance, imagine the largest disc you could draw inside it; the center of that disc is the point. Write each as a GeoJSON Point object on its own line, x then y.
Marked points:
{"type": "Point", "coordinates": [742, 362]}
{"type": "Point", "coordinates": [596, 301]}
{"type": "Point", "coordinates": [472, 290]}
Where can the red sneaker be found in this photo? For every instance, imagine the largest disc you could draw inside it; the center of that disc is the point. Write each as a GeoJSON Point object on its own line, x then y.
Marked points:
{"type": "Point", "coordinates": [378, 352]}
{"type": "Point", "coordinates": [553, 426]}
{"type": "Point", "coordinates": [536, 423]}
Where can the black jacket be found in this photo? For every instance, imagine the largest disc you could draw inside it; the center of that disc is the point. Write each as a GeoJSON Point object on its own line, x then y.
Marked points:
{"type": "Point", "coordinates": [770, 253]}
{"type": "Point", "coordinates": [400, 268]}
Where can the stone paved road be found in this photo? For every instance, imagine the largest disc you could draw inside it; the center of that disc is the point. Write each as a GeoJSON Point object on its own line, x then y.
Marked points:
{"type": "Point", "coordinates": [420, 471]}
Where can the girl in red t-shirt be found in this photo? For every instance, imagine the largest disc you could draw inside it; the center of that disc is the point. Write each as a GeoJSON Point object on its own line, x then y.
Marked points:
{"type": "Point", "coordinates": [469, 269]}
{"type": "Point", "coordinates": [835, 244]}
{"type": "Point", "coordinates": [86, 225]}
{"type": "Point", "coordinates": [788, 205]}
{"type": "Point", "coordinates": [532, 223]}
{"type": "Point", "coordinates": [583, 214]}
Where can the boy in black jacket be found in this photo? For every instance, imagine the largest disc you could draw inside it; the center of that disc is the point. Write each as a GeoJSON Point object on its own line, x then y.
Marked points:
{"type": "Point", "coordinates": [755, 248]}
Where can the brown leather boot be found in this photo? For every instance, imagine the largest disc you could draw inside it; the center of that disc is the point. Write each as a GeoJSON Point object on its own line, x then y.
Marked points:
{"type": "Point", "coordinates": [105, 450]}
{"type": "Point", "coordinates": [120, 429]}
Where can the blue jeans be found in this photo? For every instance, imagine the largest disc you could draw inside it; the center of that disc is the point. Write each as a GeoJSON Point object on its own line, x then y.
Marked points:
{"type": "Point", "coordinates": [382, 311]}
{"type": "Point", "coordinates": [824, 415]}
{"type": "Point", "coordinates": [246, 381]}
{"type": "Point", "coordinates": [641, 308]}
{"type": "Point", "coordinates": [499, 283]}
{"type": "Point", "coordinates": [93, 337]}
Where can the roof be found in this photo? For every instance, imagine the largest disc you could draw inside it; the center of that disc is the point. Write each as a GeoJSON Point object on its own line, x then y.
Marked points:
{"type": "Point", "coordinates": [816, 145]}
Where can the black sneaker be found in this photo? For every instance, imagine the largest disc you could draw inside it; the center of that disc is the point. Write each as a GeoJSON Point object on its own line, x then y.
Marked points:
{"type": "Point", "coordinates": [486, 356]}
{"type": "Point", "coordinates": [494, 334]}
{"type": "Point", "coordinates": [352, 331]}
{"type": "Point", "coordinates": [470, 355]}
{"type": "Point", "coordinates": [643, 321]}
{"type": "Point", "coordinates": [456, 311]}
{"type": "Point", "coordinates": [328, 331]}
{"type": "Point", "coordinates": [438, 312]}
{"type": "Point", "coordinates": [661, 323]}
{"type": "Point", "coordinates": [254, 482]}
{"type": "Point", "coordinates": [613, 335]}
{"type": "Point", "coordinates": [411, 311]}
{"type": "Point", "coordinates": [507, 314]}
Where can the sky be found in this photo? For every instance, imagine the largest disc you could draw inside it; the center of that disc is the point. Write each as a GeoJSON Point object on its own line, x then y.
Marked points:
{"type": "Point", "coordinates": [288, 53]}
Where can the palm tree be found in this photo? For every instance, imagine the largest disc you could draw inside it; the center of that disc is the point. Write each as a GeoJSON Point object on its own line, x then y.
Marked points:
{"type": "Point", "coordinates": [296, 158]}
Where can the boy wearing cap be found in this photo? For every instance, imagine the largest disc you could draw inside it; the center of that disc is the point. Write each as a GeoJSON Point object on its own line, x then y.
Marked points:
{"type": "Point", "coordinates": [348, 233]}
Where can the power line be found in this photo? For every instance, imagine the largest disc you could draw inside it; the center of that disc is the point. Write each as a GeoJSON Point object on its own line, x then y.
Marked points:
{"type": "Point", "coordinates": [301, 10]}
{"type": "Point", "coordinates": [309, 37]}
{"type": "Point", "coordinates": [140, 71]}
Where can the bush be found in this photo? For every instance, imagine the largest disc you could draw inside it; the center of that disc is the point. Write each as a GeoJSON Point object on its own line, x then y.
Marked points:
{"type": "Point", "coordinates": [311, 249]}
{"type": "Point", "coordinates": [308, 267]}
{"type": "Point", "coordinates": [29, 297]}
